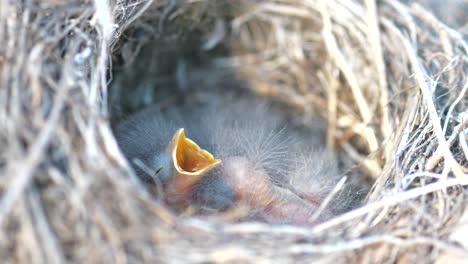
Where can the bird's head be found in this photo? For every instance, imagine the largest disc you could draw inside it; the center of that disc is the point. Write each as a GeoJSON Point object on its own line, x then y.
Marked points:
{"type": "Point", "coordinates": [184, 164]}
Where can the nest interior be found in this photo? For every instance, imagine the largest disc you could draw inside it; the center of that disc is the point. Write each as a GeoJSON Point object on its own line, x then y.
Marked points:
{"type": "Point", "coordinates": [388, 80]}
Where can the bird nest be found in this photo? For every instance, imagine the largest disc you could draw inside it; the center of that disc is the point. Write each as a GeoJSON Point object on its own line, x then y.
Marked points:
{"type": "Point", "coordinates": [389, 82]}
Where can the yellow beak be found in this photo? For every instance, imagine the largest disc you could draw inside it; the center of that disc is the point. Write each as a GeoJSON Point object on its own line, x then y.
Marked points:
{"type": "Point", "coordinates": [190, 162]}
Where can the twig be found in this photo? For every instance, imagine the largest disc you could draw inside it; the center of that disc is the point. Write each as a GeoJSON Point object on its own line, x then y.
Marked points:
{"type": "Point", "coordinates": [386, 202]}
{"type": "Point", "coordinates": [438, 154]}
{"type": "Point", "coordinates": [340, 61]}
{"type": "Point", "coordinates": [370, 165]}
{"type": "Point", "coordinates": [361, 243]}
{"type": "Point", "coordinates": [374, 39]}
{"type": "Point", "coordinates": [137, 15]}
{"type": "Point", "coordinates": [105, 20]}
{"type": "Point", "coordinates": [327, 200]}
{"type": "Point", "coordinates": [451, 163]}
{"type": "Point", "coordinates": [50, 243]}
{"type": "Point", "coordinates": [24, 170]}
{"type": "Point", "coordinates": [463, 94]}
{"type": "Point", "coordinates": [462, 139]}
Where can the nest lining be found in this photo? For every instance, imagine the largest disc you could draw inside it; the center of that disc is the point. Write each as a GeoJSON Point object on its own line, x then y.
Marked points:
{"type": "Point", "coordinates": [389, 80]}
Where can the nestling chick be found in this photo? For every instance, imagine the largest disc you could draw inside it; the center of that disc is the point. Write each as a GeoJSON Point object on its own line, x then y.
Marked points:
{"type": "Point", "coordinates": [250, 158]}
{"type": "Point", "coordinates": [163, 157]}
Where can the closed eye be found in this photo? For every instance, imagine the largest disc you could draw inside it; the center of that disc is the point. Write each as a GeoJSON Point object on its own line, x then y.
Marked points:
{"type": "Point", "coordinates": [156, 173]}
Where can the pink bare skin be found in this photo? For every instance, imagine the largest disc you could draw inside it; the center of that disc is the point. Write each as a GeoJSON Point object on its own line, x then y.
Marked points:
{"type": "Point", "coordinates": [276, 205]}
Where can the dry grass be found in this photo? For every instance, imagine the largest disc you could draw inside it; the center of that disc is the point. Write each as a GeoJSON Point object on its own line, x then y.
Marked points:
{"type": "Point", "coordinates": [390, 80]}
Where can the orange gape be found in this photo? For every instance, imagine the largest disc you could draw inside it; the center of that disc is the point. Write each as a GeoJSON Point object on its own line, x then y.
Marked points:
{"type": "Point", "coordinates": [190, 157]}
{"type": "Point", "coordinates": [190, 164]}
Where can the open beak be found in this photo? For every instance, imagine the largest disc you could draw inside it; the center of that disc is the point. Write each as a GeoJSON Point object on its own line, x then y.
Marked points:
{"type": "Point", "coordinates": [190, 162]}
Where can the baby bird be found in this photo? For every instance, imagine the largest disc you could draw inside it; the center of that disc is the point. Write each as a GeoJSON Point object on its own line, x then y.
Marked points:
{"type": "Point", "coordinates": [162, 157]}
{"type": "Point", "coordinates": [250, 157]}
